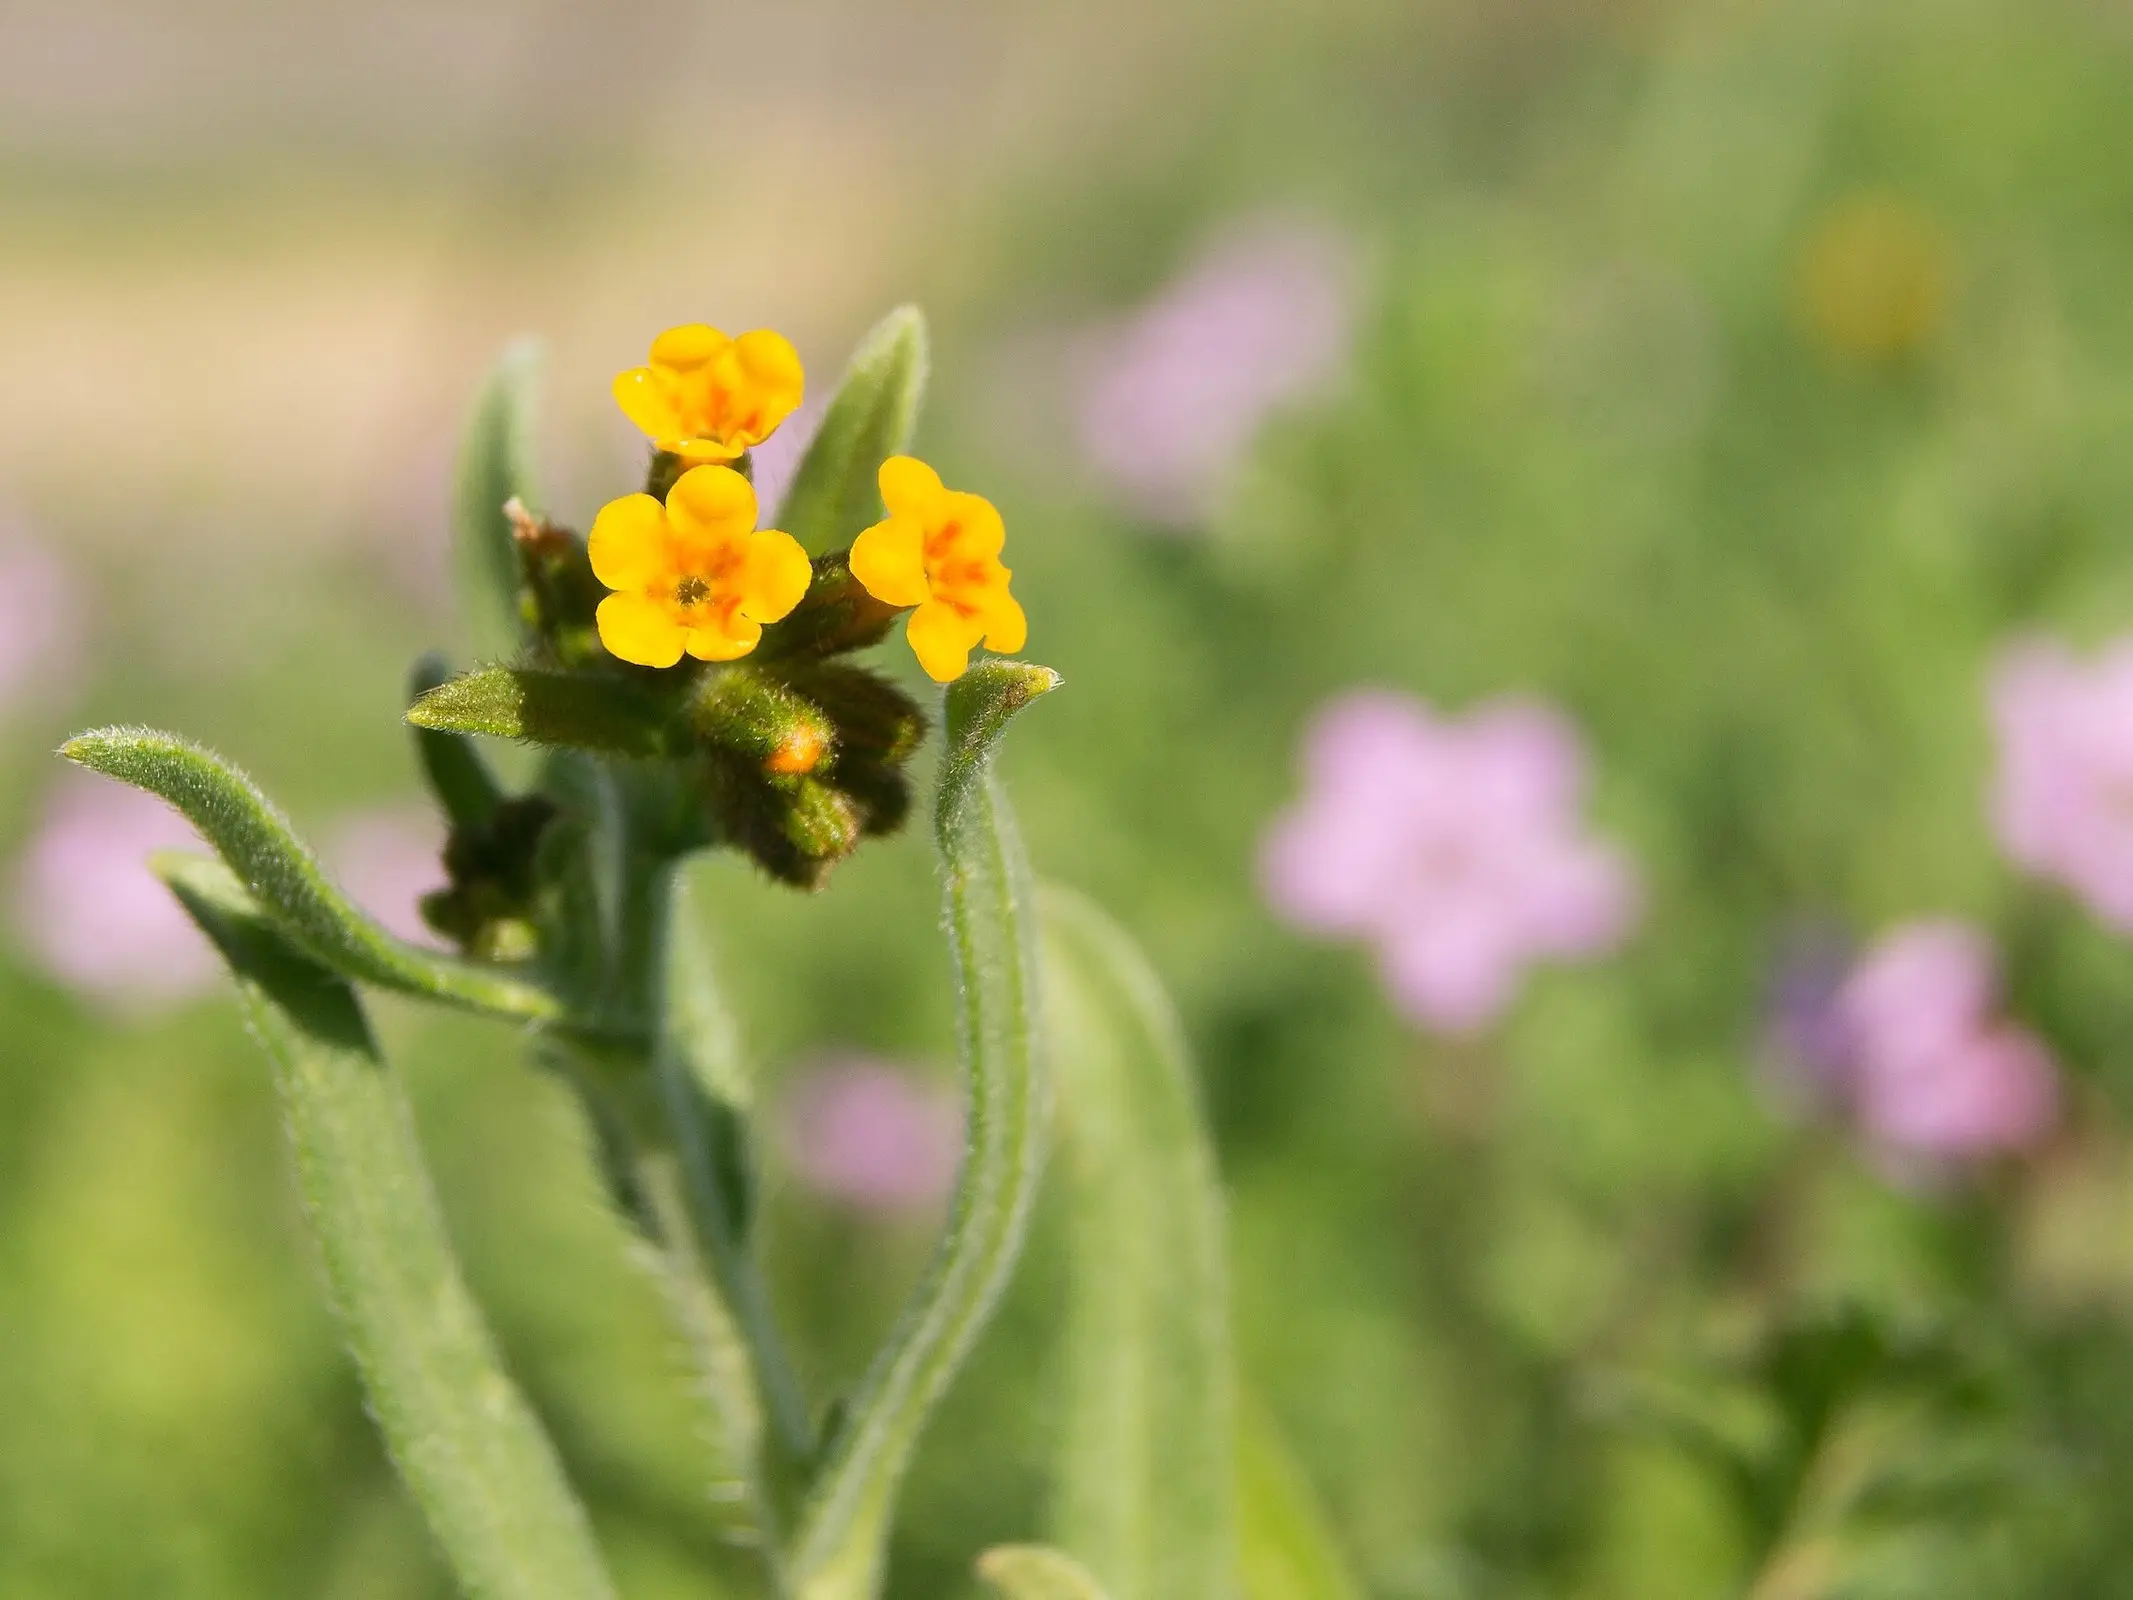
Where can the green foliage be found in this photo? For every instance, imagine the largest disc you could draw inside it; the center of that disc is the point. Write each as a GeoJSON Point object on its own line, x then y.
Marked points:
{"type": "Point", "coordinates": [283, 877]}
{"type": "Point", "coordinates": [1286, 1551]}
{"type": "Point", "coordinates": [596, 711]}
{"type": "Point", "coordinates": [1035, 1572]}
{"type": "Point", "coordinates": [838, 1552]}
{"type": "Point", "coordinates": [1147, 1469]}
{"type": "Point", "coordinates": [472, 1453]}
{"type": "Point", "coordinates": [460, 781]}
{"type": "Point", "coordinates": [833, 494]}
{"type": "Point", "coordinates": [496, 466]}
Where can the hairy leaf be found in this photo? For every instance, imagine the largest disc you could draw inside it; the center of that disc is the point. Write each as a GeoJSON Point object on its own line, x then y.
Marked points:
{"type": "Point", "coordinates": [283, 877]}
{"type": "Point", "coordinates": [1147, 1468]}
{"type": "Point", "coordinates": [833, 494]}
{"type": "Point", "coordinates": [1036, 1572]}
{"type": "Point", "coordinates": [846, 1519]}
{"type": "Point", "coordinates": [470, 1450]}
{"type": "Point", "coordinates": [566, 710]}
{"type": "Point", "coordinates": [495, 465]}
{"type": "Point", "coordinates": [465, 788]}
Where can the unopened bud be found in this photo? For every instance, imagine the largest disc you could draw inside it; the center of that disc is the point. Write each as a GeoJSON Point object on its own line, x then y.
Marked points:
{"type": "Point", "coordinates": [744, 713]}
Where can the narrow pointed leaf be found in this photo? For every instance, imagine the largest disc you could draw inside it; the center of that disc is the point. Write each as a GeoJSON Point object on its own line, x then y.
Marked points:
{"type": "Point", "coordinates": [1146, 1489]}
{"type": "Point", "coordinates": [465, 789]}
{"type": "Point", "coordinates": [470, 1450]}
{"type": "Point", "coordinates": [1036, 1572]}
{"type": "Point", "coordinates": [495, 465]}
{"type": "Point", "coordinates": [1287, 1550]}
{"type": "Point", "coordinates": [833, 494]}
{"type": "Point", "coordinates": [566, 710]}
{"type": "Point", "coordinates": [284, 878]}
{"type": "Point", "coordinates": [845, 1523]}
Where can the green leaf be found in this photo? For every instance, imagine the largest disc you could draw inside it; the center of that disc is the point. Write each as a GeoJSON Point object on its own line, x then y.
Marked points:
{"type": "Point", "coordinates": [561, 710]}
{"type": "Point", "coordinates": [470, 1450]}
{"type": "Point", "coordinates": [465, 789]}
{"type": "Point", "coordinates": [1286, 1549]}
{"type": "Point", "coordinates": [845, 1523]}
{"type": "Point", "coordinates": [833, 494]}
{"type": "Point", "coordinates": [495, 465]}
{"type": "Point", "coordinates": [255, 839]}
{"type": "Point", "coordinates": [1036, 1572]}
{"type": "Point", "coordinates": [1146, 1490]}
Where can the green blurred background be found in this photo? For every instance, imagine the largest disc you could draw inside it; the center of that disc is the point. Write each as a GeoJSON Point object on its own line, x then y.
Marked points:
{"type": "Point", "coordinates": [1635, 412]}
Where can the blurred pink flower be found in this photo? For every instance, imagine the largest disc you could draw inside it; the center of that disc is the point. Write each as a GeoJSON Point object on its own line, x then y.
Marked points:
{"type": "Point", "coordinates": [387, 860]}
{"type": "Point", "coordinates": [2062, 802]}
{"type": "Point", "coordinates": [40, 618]}
{"type": "Point", "coordinates": [1935, 1073]}
{"type": "Point", "coordinates": [1178, 390]}
{"type": "Point", "coordinates": [1453, 845]}
{"type": "Point", "coordinates": [861, 1131]}
{"type": "Point", "coordinates": [87, 909]}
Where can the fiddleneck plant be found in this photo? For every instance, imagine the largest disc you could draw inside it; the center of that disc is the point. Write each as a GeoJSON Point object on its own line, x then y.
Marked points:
{"type": "Point", "coordinates": [691, 681]}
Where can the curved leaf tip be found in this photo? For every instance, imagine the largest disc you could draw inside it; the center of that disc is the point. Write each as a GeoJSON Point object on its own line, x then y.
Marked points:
{"type": "Point", "coordinates": [982, 700]}
{"type": "Point", "coordinates": [249, 832]}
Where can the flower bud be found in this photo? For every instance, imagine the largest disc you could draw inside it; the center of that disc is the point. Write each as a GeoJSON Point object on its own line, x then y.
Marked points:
{"type": "Point", "coordinates": [746, 714]}
{"type": "Point", "coordinates": [489, 905]}
{"type": "Point", "coordinates": [836, 615]}
{"type": "Point", "coordinates": [557, 594]}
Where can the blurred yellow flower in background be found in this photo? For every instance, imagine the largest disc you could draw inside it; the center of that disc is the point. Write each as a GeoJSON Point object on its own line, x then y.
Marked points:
{"type": "Point", "coordinates": [1872, 278]}
{"type": "Point", "coordinates": [939, 550]}
{"type": "Point", "coordinates": [707, 398]}
{"type": "Point", "coordinates": [694, 574]}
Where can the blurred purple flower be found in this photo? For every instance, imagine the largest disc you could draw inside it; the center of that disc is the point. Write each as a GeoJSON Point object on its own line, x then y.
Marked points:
{"type": "Point", "coordinates": [1178, 390]}
{"type": "Point", "coordinates": [2062, 802]}
{"type": "Point", "coordinates": [1936, 1073]}
{"type": "Point", "coordinates": [87, 909]}
{"type": "Point", "coordinates": [40, 618]}
{"type": "Point", "coordinates": [387, 860]}
{"type": "Point", "coordinates": [1453, 845]}
{"type": "Point", "coordinates": [860, 1131]}
{"type": "Point", "coordinates": [1808, 1053]}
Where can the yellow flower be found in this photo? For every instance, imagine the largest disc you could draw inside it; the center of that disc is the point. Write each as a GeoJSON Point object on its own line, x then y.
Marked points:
{"type": "Point", "coordinates": [939, 550]}
{"type": "Point", "coordinates": [706, 397]}
{"type": "Point", "coordinates": [693, 574]}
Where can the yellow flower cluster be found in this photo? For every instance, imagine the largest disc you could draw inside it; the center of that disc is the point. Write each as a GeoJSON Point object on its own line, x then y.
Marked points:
{"type": "Point", "coordinates": [695, 575]}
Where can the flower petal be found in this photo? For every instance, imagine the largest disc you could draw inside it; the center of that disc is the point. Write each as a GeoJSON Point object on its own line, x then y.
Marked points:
{"type": "Point", "coordinates": [711, 505]}
{"type": "Point", "coordinates": [908, 486]}
{"type": "Point", "coordinates": [629, 545]}
{"type": "Point", "coordinates": [763, 375]}
{"type": "Point", "coordinates": [776, 575]}
{"type": "Point", "coordinates": [724, 644]}
{"type": "Point", "coordinates": [979, 531]}
{"type": "Point", "coordinates": [1006, 628]}
{"type": "Point", "coordinates": [941, 637]}
{"type": "Point", "coordinates": [702, 452]}
{"type": "Point", "coordinates": [637, 629]}
{"type": "Point", "coordinates": [645, 402]}
{"type": "Point", "coordinates": [889, 560]}
{"type": "Point", "coordinates": [688, 346]}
